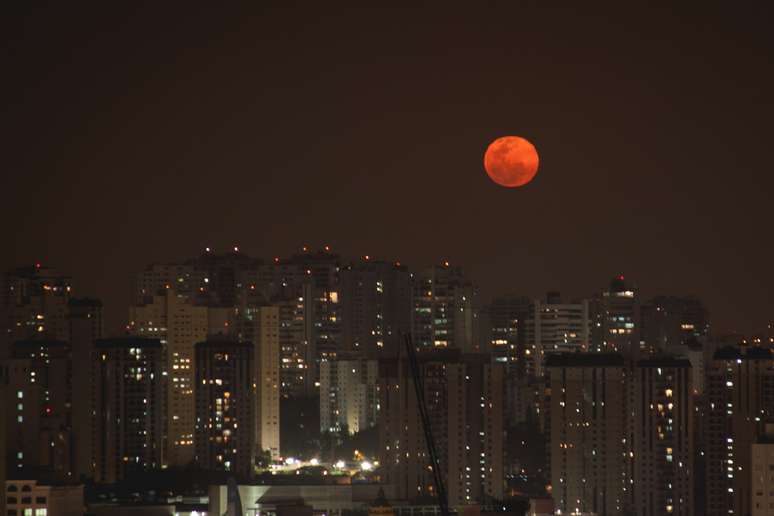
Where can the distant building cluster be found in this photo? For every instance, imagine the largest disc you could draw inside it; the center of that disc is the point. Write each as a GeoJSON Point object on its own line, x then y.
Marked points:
{"type": "Point", "coordinates": [605, 405]}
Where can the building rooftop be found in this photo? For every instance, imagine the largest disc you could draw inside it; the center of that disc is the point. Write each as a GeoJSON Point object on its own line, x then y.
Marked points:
{"type": "Point", "coordinates": [584, 360]}
{"type": "Point", "coordinates": [40, 343]}
{"type": "Point", "coordinates": [28, 349]}
{"type": "Point", "coordinates": [765, 439]}
{"type": "Point", "coordinates": [444, 355]}
{"type": "Point", "coordinates": [219, 341]}
{"type": "Point", "coordinates": [734, 353]}
{"type": "Point", "coordinates": [664, 361]}
{"type": "Point", "coordinates": [127, 342]}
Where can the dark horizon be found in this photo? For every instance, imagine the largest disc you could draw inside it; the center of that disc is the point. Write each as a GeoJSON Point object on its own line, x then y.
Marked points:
{"type": "Point", "coordinates": [147, 133]}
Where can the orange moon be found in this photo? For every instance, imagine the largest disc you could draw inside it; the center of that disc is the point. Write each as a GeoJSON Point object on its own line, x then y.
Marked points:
{"type": "Point", "coordinates": [511, 161]}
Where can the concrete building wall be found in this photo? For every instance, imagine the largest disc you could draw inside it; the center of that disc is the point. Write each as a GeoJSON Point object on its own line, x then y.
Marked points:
{"type": "Point", "coordinates": [85, 328]}
{"type": "Point", "coordinates": [554, 327]}
{"type": "Point", "coordinates": [348, 395]}
{"type": "Point", "coordinates": [740, 400]}
{"type": "Point", "coordinates": [663, 446]}
{"type": "Point", "coordinates": [327, 499]}
{"type": "Point", "coordinates": [464, 396]}
{"type": "Point", "coordinates": [128, 406]}
{"type": "Point", "coordinates": [267, 376]}
{"type": "Point", "coordinates": [762, 478]}
{"type": "Point", "coordinates": [29, 497]}
{"type": "Point", "coordinates": [179, 324]}
{"type": "Point", "coordinates": [586, 433]}
{"type": "Point", "coordinates": [445, 310]}
{"type": "Point", "coordinates": [225, 406]}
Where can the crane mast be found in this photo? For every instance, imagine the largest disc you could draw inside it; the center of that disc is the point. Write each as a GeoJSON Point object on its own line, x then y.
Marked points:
{"type": "Point", "coordinates": [419, 388]}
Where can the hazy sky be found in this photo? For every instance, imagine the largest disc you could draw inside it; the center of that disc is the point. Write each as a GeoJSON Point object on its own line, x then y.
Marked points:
{"type": "Point", "coordinates": [144, 133]}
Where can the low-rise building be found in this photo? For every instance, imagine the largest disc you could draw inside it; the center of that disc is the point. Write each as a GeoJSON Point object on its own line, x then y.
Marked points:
{"type": "Point", "coordinates": [30, 498]}
{"type": "Point", "coordinates": [331, 500]}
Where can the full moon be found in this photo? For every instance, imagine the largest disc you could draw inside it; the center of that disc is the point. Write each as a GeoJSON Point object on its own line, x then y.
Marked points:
{"type": "Point", "coordinates": [511, 161]}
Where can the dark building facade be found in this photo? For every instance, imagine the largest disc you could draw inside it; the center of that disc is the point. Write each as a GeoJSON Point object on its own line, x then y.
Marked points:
{"type": "Point", "coordinates": [445, 310]}
{"type": "Point", "coordinates": [464, 395]}
{"type": "Point", "coordinates": [376, 307]}
{"type": "Point", "coordinates": [587, 431]}
{"type": "Point", "coordinates": [663, 476]}
{"type": "Point", "coordinates": [39, 426]}
{"type": "Point", "coordinates": [225, 435]}
{"type": "Point", "coordinates": [616, 322]}
{"type": "Point", "coordinates": [128, 404]}
{"type": "Point", "coordinates": [502, 330]}
{"type": "Point", "coordinates": [33, 305]}
{"type": "Point", "coordinates": [739, 402]}
{"type": "Point", "coordinates": [669, 322]}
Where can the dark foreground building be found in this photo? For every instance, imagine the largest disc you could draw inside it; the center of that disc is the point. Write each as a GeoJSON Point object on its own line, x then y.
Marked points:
{"type": "Point", "coordinates": [128, 406]}
{"type": "Point", "coordinates": [740, 400]}
{"type": "Point", "coordinates": [225, 437]}
{"type": "Point", "coordinates": [621, 434]}
{"type": "Point", "coordinates": [464, 394]}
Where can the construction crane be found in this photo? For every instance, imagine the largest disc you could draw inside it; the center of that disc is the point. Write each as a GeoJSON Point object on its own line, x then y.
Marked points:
{"type": "Point", "coordinates": [419, 388]}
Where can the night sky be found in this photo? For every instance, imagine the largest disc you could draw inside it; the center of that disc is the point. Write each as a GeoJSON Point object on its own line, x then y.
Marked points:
{"type": "Point", "coordinates": [144, 133]}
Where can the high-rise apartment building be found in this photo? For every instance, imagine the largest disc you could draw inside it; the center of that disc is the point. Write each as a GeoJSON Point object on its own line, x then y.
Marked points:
{"type": "Point", "coordinates": [128, 406]}
{"type": "Point", "coordinates": [212, 279]}
{"type": "Point", "coordinates": [501, 326]}
{"type": "Point", "coordinates": [86, 327]}
{"type": "Point", "coordinates": [39, 405]}
{"type": "Point", "coordinates": [586, 428]}
{"type": "Point", "coordinates": [669, 322]}
{"type": "Point", "coordinates": [4, 415]}
{"type": "Point", "coordinates": [348, 395]}
{"type": "Point", "coordinates": [375, 307]}
{"type": "Point", "coordinates": [762, 474]}
{"type": "Point", "coordinates": [445, 310]}
{"type": "Point", "coordinates": [616, 321]}
{"type": "Point", "coordinates": [267, 343]}
{"type": "Point", "coordinates": [156, 278]}
{"type": "Point", "coordinates": [308, 289]}
{"type": "Point", "coordinates": [295, 352]}
{"type": "Point", "coordinates": [553, 326]}
{"type": "Point", "coordinates": [616, 327]}
{"type": "Point", "coordinates": [34, 304]}
{"type": "Point", "coordinates": [228, 277]}
{"type": "Point", "coordinates": [663, 476]}
{"type": "Point", "coordinates": [464, 395]}
{"type": "Point", "coordinates": [739, 402]}
{"type": "Point", "coordinates": [179, 324]}
{"type": "Point", "coordinates": [225, 406]}
{"type": "Point", "coordinates": [314, 279]}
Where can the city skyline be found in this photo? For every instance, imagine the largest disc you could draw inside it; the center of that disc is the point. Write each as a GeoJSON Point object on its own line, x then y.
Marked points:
{"type": "Point", "coordinates": [501, 259]}
{"type": "Point", "coordinates": [117, 316]}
